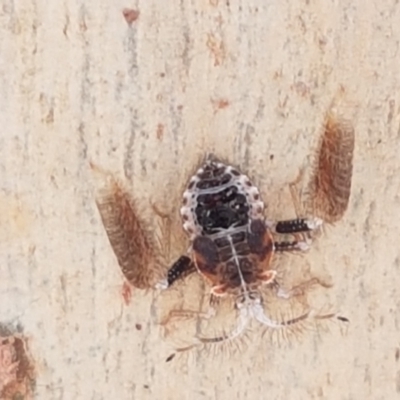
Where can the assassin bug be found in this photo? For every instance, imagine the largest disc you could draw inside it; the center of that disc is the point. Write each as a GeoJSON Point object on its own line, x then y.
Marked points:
{"type": "Point", "coordinates": [230, 243]}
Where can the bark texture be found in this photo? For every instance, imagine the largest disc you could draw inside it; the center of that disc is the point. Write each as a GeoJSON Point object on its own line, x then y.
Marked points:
{"type": "Point", "coordinates": [143, 90]}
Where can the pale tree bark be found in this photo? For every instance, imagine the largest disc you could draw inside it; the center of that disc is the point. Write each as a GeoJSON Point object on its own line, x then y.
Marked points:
{"type": "Point", "coordinates": [145, 89]}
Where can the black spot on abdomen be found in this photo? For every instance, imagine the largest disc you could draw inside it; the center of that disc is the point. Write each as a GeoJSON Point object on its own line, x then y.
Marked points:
{"type": "Point", "coordinates": [222, 210]}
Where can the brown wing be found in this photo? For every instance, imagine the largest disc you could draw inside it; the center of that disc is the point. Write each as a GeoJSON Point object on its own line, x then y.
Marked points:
{"type": "Point", "coordinates": [126, 232]}
{"type": "Point", "coordinates": [331, 184]}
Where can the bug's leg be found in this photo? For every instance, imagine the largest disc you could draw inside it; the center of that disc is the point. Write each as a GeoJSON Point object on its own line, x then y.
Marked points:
{"type": "Point", "coordinates": [300, 229]}
{"type": "Point", "coordinates": [261, 316]}
{"type": "Point", "coordinates": [257, 311]}
{"type": "Point", "coordinates": [175, 314]}
{"type": "Point", "coordinates": [243, 321]}
{"type": "Point", "coordinates": [184, 265]}
{"type": "Point", "coordinates": [298, 225]}
{"type": "Point", "coordinates": [186, 314]}
{"type": "Point", "coordinates": [181, 268]}
{"type": "Point", "coordinates": [294, 245]}
{"type": "Point", "coordinates": [301, 289]}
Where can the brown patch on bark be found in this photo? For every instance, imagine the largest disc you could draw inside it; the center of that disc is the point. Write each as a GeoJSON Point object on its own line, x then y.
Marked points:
{"type": "Point", "coordinates": [130, 15]}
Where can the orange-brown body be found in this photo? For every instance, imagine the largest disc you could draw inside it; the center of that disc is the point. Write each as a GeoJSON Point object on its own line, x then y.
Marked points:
{"type": "Point", "coordinates": [223, 214]}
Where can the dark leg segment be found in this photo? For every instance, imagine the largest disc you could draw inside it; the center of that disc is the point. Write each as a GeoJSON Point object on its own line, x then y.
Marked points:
{"type": "Point", "coordinates": [290, 246]}
{"type": "Point", "coordinates": [297, 225]}
{"type": "Point", "coordinates": [182, 267]}
{"type": "Point", "coordinates": [299, 228]}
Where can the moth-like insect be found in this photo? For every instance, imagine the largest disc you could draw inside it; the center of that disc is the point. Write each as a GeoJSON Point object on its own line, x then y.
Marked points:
{"type": "Point", "coordinates": [231, 243]}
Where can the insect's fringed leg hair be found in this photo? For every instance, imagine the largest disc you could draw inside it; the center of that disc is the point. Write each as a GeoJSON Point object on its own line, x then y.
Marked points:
{"type": "Point", "coordinates": [330, 185]}
{"type": "Point", "coordinates": [244, 318]}
{"type": "Point", "coordinates": [256, 310]}
{"type": "Point", "coordinates": [302, 288]}
{"type": "Point", "coordinates": [285, 329]}
{"type": "Point", "coordinates": [126, 232]}
{"type": "Point", "coordinates": [259, 314]}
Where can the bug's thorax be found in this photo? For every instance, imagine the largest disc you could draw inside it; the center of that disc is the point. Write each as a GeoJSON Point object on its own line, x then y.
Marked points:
{"type": "Point", "coordinates": [223, 215]}
{"type": "Point", "coordinates": [219, 198]}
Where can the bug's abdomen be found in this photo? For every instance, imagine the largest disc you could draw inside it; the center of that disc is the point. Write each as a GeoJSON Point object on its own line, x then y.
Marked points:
{"type": "Point", "coordinates": [236, 259]}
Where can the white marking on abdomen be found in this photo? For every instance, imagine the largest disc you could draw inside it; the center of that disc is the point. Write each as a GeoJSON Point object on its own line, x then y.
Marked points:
{"type": "Point", "coordinates": [236, 258]}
